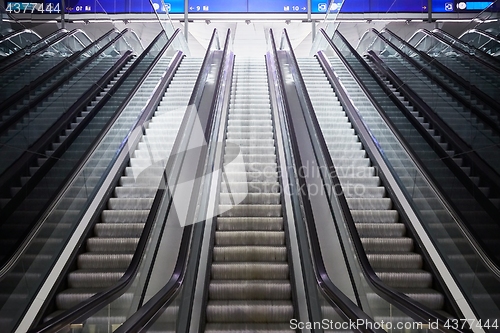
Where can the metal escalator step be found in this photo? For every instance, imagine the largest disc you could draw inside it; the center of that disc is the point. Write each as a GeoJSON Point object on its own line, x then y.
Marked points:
{"type": "Point", "coordinates": [93, 278]}
{"type": "Point", "coordinates": [112, 245]}
{"type": "Point", "coordinates": [244, 116]}
{"type": "Point", "coordinates": [267, 176]}
{"type": "Point", "coordinates": [406, 278]}
{"type": "Point", "coordinates": [351, 154]}
{"type": "Point", "coordinates": [368, 181]}
{"type": "Point", "coordinates": [250, 223]}
{"type": "Point", "coordinates": [249, 150]}
{"type": "Point", "coordinates": [250, 290]}
{"type": "Point", "coordinates": [249, 129]}
{"type": "Point", "coordinates": [233, 311]}
{"type": "Point", "coordinates": [249, 271]}
{"type": "Point", "coordinates": [251, 210]}
{"type": "Point", "coordinates": [227, 238]}
{"type": "Point", "coordinates": [249, 253]}
{"type": "Point", "coordinates": [252, 158]}
{"type": "Point", "coordinates": [386, 244]}
{"type": "Point", "coordinates": [235, 166]}
{"type": "Point", "coordinates": [351, 162]}
{"type": "Point", "coordinates": [370, 216]}
{"type": "Point", "coordinates": [428, 297]}
{"type": "Point", "coordinates": [149, 171]}
{"type": "Point", "coordinates": [103, 260]}
{"type": "Point", "coordinates": [355, 172]}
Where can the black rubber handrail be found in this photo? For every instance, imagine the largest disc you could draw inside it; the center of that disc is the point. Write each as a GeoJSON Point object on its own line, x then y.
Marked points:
{"type": "Point", "coordinates": [18, 32]}
{"type": "Point", "coordinates": [165, 296]}
{"type": "Point", "coordinates": [5, 61]}
{"type": "Point", "coordinates": [493, 104]}
{"type": "Point", "coordinates": [101, 299]}
{"type": "Point", "coordinates": [332, 294]}
{"type": "Point", "coordinates": [18, 168]}
{"type": "Point", "coordinates": [25, 91]}
{"type": "Point", "coordinates": [394, 129]}
{"type": "Point", "coordinates": [478, 52]}
{"type": "Point", "coordinates": [40, 50]}
{"type": "Point", "coordinates": [462, 52]}
{"type": "Point", "coordinates": [457, 144]}
{"type": "Point", "coordinates": [405, 303]}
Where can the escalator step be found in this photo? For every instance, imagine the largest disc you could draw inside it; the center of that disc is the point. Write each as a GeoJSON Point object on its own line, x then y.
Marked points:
{"type": "Point", "coordinates": [227, 238]}
{"type": "Point", "coordinates": [249, 271]}
{"type": "Point", "coordinates": [250, 223]}
{"type": "Point", "coordinates": [93, 278]}
{"type": "Point", "coordinates": [250, 290]}
{"type": "Point", "coordinates": [395, 261]}
{"type": "Point", "coordinates": [249, 253]}
{"type": "Point", "coordinates": [251, 210]}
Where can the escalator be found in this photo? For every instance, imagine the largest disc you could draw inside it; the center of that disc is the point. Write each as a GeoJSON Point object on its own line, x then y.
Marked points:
{"type": "Point", "coordinates": [389, 246]}
{"type": "Point", "coordinates": [250, 288]}
{"type": "Point", "coordinates": [109, 249]}
{"type": "Point", "coordinates": [479, 72]}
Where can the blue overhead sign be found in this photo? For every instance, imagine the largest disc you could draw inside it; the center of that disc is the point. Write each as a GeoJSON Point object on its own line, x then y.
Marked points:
{"type": "Point", "coordinates": [248, 6]}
